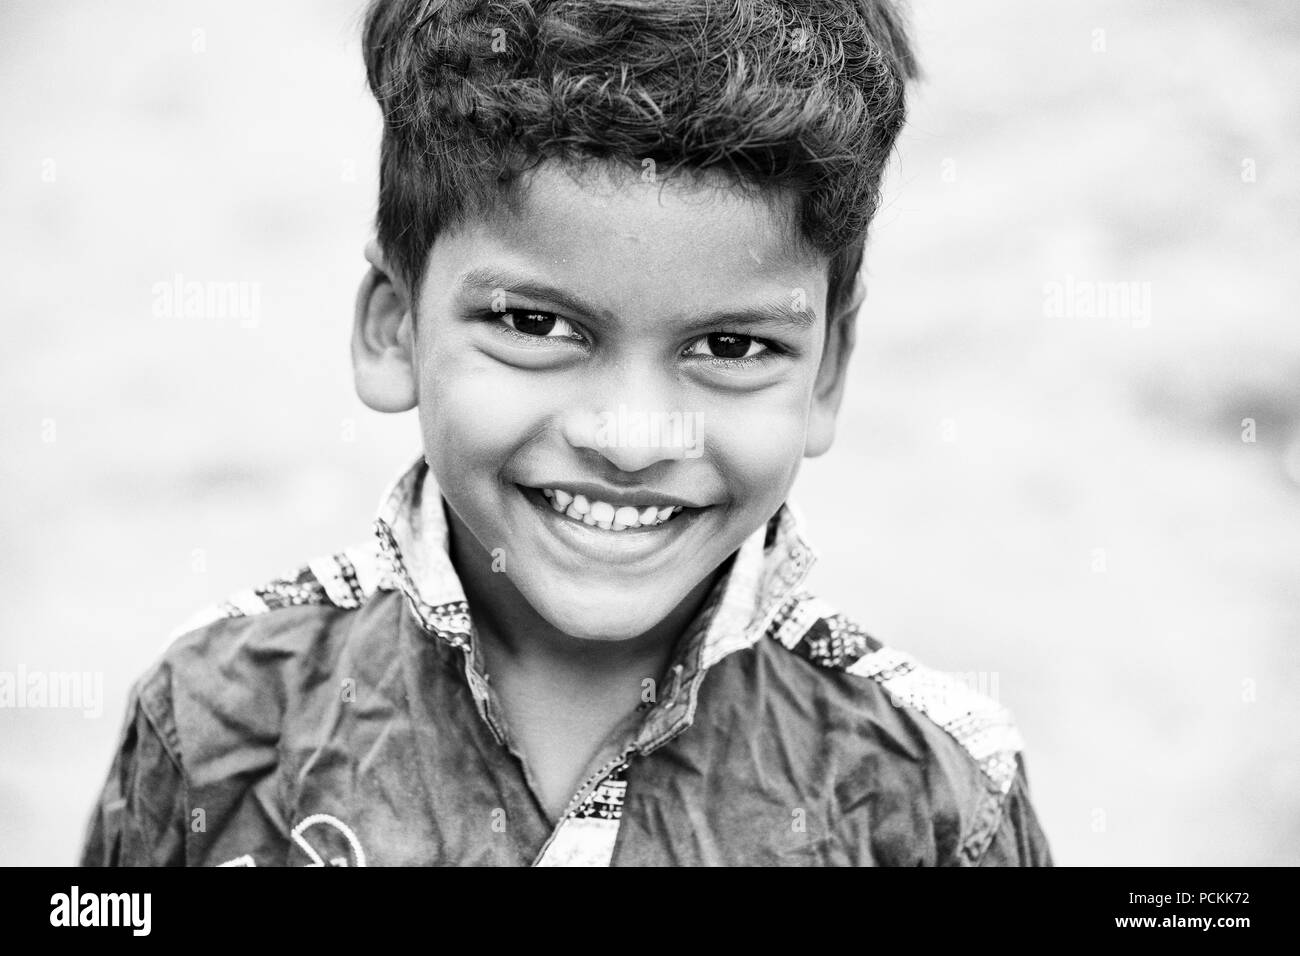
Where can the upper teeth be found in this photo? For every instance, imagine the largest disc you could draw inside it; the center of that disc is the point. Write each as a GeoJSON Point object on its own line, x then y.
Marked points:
{"type": "Point", "coordinates": [602, 514]}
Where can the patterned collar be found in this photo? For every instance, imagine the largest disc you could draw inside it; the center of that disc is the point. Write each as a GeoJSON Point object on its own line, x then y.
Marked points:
{"type": "Point", "coordinates": [767, 569]}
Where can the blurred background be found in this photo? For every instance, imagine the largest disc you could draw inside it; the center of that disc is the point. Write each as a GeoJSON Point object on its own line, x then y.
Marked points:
{"type": "Point", "coordinates": [1071, 443]}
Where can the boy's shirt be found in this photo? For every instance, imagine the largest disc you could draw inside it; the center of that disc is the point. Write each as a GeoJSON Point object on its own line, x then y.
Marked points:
{"type": "Point", "coordinates": [341, 716]}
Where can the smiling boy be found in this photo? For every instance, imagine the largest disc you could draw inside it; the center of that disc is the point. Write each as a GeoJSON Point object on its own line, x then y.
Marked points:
{"type": "Point", "coordinates": [571, 643]}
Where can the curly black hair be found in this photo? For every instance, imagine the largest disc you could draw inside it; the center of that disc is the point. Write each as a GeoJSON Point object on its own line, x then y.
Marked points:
{"type": "Point", "coordinates": [806, 95]}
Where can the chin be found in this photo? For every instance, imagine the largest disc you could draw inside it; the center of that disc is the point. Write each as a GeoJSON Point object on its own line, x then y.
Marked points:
{"type": "Point", "coordinates": [601, 622]}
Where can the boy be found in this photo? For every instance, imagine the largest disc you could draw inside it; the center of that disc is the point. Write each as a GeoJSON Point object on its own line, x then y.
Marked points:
{"type": "Point", "coordinates": [616, 272]}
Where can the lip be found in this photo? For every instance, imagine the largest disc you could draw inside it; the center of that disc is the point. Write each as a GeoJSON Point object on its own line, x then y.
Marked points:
{"type": "Point", "coordinates": [637, 497]}
{"type": "Point", "coordinates": [643, 547]}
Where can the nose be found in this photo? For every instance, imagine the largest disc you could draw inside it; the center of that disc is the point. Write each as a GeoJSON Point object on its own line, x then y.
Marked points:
{"type": "Point", "coordinates": [634, 420]}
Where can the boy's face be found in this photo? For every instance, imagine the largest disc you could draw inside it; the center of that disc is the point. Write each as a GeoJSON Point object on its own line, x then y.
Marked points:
{"type": "Point", "coordinates": [642, 345]}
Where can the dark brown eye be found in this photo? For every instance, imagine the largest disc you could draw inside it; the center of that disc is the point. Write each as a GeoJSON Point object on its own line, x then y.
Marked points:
{"type": "Point", "coordinates": [531, 323]}
{"type": "Point", "coordinates": [731, 347]}
{"type": "Point", "coordinates": [728, 345]}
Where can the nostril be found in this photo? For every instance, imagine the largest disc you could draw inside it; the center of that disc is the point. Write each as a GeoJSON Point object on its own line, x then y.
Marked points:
{"type": "Point", "coordinates": [581, 429]}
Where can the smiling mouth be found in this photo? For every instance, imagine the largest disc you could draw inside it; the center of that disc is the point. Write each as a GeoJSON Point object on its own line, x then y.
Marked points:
{"type": "Point", "coordinates": [604, 515]}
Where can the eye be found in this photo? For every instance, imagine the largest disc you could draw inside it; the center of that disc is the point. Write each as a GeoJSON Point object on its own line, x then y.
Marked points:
{"type": "Point", "coordinates": [537, 324]}
{"type": "Point", "coordinates": [534, 325]}
{"type": "Point", "coordinates": [728, 345]}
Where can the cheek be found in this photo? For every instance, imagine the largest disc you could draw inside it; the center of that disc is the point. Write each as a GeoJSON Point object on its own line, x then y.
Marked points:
{"type": "Point", "coordinates": [758, 444]}
{"type": "Point", "coordinates": [470, 412]}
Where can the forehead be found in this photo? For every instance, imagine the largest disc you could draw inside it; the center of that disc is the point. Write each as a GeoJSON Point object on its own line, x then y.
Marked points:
{"type": "Point", "coordinates": [609, 228]}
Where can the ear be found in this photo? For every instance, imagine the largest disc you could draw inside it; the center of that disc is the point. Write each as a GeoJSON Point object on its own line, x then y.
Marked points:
{"type": "Point", "coordinates": [384, 362]}
{"type": "Point", "coordinates": [828, 390]}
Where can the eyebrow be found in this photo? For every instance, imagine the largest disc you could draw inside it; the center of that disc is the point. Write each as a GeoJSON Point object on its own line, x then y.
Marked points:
{"type": "Point", "coordinates": [773, 311]}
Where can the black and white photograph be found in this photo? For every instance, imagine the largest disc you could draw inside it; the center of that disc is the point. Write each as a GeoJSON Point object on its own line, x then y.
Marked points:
{"type": "Point", "coordinates": [651, 433]}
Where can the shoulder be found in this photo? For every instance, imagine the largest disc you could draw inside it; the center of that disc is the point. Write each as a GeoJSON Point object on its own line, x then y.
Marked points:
{"type": "Point", "coordinates": [948, 743]}
{"type": "Point", "coordinates": [231, 675]}
{"type": "Point", "coordinates": [342, 580]}
{"type": "Point", "coordinates": [211, 722]}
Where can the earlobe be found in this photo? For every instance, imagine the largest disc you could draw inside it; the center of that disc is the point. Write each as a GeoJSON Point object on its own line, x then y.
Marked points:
{"type": "Point", "coordinates": [383, 348]}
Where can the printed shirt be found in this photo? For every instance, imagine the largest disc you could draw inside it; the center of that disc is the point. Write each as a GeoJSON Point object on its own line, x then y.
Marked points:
{"type": "Point", "coordinates": [342, 716]}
